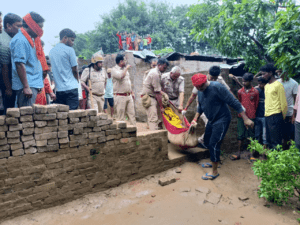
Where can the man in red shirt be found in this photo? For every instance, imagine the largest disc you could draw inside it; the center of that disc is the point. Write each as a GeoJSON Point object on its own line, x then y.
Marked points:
{"type": "Point", "coordinates": [249, 98]}
{"type": "Point", "coordinates": [149, 41]}
{"type": "Point", "coordinates": [120, 40]}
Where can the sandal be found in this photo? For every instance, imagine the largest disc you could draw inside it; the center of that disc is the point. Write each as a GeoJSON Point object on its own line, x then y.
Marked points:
{"type": "Point", "coordinates": [209, 177]}
{"type": "Point", "coordinates": [206, 165]}
{"type": "Point", "coordinates": [234, 157]}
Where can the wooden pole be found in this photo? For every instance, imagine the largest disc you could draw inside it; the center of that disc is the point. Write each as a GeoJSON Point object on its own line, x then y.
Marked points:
{"type": "Point", "coordinates": [91, 95]}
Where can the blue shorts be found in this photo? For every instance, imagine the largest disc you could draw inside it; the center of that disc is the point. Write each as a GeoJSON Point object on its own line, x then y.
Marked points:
{"type": "Point", "coordinates": [110, 102]}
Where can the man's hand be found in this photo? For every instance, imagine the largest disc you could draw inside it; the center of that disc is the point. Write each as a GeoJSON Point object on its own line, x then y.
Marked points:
{"type": "Point", "coordinates": [293, 119]}
{"type": "Point", "coordinates": [52, 96]}
{"type": "Point", "coordinates": [27, 92]}
{"type": "Point", "coordinates": [8, 92]}
{"type": "Point", "coordinates": [128, 66]}
{"type": "Point", "coordinates": [249, 123]}
{"type": "Point", "coordinates": [180, 108]}
{"type": "Point", "coordinates": [193, 122]}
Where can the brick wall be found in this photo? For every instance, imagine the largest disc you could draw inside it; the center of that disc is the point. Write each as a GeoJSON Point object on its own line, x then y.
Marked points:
{"type": "Point", "coordinates": [50, 155]}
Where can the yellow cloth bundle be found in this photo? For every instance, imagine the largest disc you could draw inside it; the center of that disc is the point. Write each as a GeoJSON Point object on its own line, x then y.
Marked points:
{"type": "Point", "coordinates": [172, 118]}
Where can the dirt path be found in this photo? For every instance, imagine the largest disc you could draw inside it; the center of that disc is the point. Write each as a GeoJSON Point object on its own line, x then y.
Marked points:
{"type": "Point", "coordinates": [145, 202]}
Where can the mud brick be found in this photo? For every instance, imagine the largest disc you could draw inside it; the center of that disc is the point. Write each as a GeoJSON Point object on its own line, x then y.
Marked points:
{"type": "Point", "coordinates": [129, 129]}
{"type": "Point", "coordinates": [74, 120]}
{"type": "Point", "coordinates": [94, 118]}
{"type": "Point", "coordinates": [84, 119]}
{"type": "Point", "coordinates": [118, 136]}
{"type": "Point", "coordinates": [78, 130]}
{"type": "Point", "coordinates": [15, 127]}
{"type": "Point", "coordinates": [112, 132]}
{"type": "Point", "coordinates": [13, 112]}
{"type": "Point", "coordinates": [93, 141]}
{"type": "Point", "coordinates": [18, 152]}
{"type": "Point", "coordinates": [80, 125]}
{"type": "Point", "coordinates": [4, 154]}
{"type": "Point", "coordinates": [113, 127]}
{"type": "Point", "coordinates": [54, 147]}
{"type": "Point", "coordinates": [12, 134]}
{"type": "Point", "coordinates": [63, 122]}
{"type": "Point", "coordinates": [77, 113]}
{"type": "Point", "coordinates": [91, 124]}
{"type": "Point", "coordinates": [42, 149]}
{"type": "Point", "coordinates": [45, 136]}
{"type": "Point", "coordinates": [71, 126]}
{"type": "Point", "coordinates": [27, 138]}
{"type": "Point", "coordinates": [83, 142]}
{"type": "Point", "coordinates": [4, 147]}
{"type": "Point", "coordinates": [28, 144]}
{"type": "Point", "coordinates": [51, 108]}
{"type": "Point", "coordinates": [2, 120]}
{"type": "Point", "coordinates": [63, 128]}
{"type": "Point", "coordinates": [104, 122]}
{"type": "Point", "coordinates": [16, 146]}
{"type": "Point", "coordinates": [64, 140]}
{"type": "Point", "coordinates": [13, 140]}
{"type": "Point", "coordinates": [125, 135]}
{"type": "Point", "coordinates": [40, 123]}
{"type": "Point", "coordinates": [78, 137]}
{"type": "Point", "coordinates": [62, 108]}
{"type": "Point", "coordinates": [41, 143]}
{"type": "Point", "coordinates": [45, 130]}
{"type": "Point", "coordinates": [52, 123]}
{"type": "Point", "coordinates": [73, 143]}
{"type": "Point", "coordinates": [3, 128]}
{"type": "Point", "coordinates": [87, 130]}
{"type": "Point", "coordinates": [26, 110]}
{"type": "Point", "coordinates": [132, 134]}
{"type": "Point", "coordinates": [62, 115]}
{"type": "Point", "coordinates": [3, 141]}
{"type": "Point", "coordinates": [39, 109]}
{"type": "Point", "coordinates": [105, 127]}
{"type": "Point", "coordinates": [53, 141]}
{"type": "Point", "coordinates": [96, 134]}
{"type": "Point", "coordinates": [30, 150]}
{"type": "Point", "coordinates": [28, 131]}
{"type": "Point", "coordinates": [27, 118]}
{"type": "Point", "coordinates": [103, 116]}
{"type": "Point", "coordinates": [2, 134]}
{"type": "Point", "coordinates": [91, 112]}
{"type": "Point", "coordinates": [11, 121]}
{"type": "Point", "coordinates": [50, 116]}
{"type": "Point", "coordinates": [101, 139]}
{"type": "Point", "coordinates": [62, 134]}
{"type": "Point", "coordinates": [61, 146]}
{"type": "Point", "coordinates": [28, 125]}
{"type": "Point", "coordinates": [110, 137]}
{"type": "Point", "coordinates": [96, 129]}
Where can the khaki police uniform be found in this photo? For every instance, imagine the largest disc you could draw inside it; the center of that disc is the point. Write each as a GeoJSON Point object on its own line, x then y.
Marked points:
{"type": "Point", "coordinates": [151, 85]}
{"type": "Point", "coordinates": [172, 87]}
{"type": "Point", "coordinates": [124, 104]}
{"type": "Point", "coordinates": [98, 79]}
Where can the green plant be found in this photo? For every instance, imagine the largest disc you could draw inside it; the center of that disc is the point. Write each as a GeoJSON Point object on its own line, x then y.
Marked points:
{"type": "Point", "coordinates": [280, 173]}
{"type": "Point", "coordinates": [163, 51]}
{"type": "Point", "coordinates": [298, 220]}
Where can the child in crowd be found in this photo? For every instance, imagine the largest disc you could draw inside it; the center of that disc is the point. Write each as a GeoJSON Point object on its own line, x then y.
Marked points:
{"type": "Point", "coordinates": [249, 98]}
{"type": "Point", "coordinates": [109, 96]}
{"type": "Point", "coordinates": [145, 41]}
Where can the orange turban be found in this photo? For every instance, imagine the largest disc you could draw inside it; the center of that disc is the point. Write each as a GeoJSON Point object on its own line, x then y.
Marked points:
{"type": "Point", "coordinates": [199, 79]}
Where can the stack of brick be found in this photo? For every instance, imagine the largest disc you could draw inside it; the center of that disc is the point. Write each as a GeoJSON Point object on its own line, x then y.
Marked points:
{"type": "Point", "coordinates": [4, 147]}
{"type": "Point", "coordinates": [63, 128]}
{"type": "Point", "coordinates": [26, 119]}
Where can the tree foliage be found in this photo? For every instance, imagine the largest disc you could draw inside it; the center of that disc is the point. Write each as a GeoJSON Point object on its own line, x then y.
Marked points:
{"type": "Point", "coordinates": [169, 28]}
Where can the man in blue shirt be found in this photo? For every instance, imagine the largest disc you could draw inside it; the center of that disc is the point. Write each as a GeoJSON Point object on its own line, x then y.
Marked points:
{"type": "Point", "coordinates": [64, 68]}
{"type": "Point", "coordinates": [27, 72]}
{"type": "Point", "coordinates": [214, 99]}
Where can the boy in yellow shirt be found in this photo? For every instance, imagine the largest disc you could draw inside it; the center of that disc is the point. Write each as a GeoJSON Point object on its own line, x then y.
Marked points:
{"type": "Point", "coordinates": [275, 106]}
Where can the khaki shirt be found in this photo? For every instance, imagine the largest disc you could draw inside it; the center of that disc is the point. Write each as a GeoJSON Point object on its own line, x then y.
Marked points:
{"type": "Point", "coordinates": [172, 87]}
{"type": "Point", "coordinates": [98, 79]}
{"type": "Point", "coordinates": [120, 85]}
{"type": "Point", "coordinates": [152, 82]}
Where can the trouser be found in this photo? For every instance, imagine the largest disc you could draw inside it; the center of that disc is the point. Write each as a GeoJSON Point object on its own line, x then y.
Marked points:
{"type": "Point", "coordinates": [260, 130]}
{"type": "Point", "coordinates": [69, 98]}
{"type": "Point", "coordinates": [274, 126]}
{"type": "Point", "coordinates": [98, 102]}
{"type": "Point", "coordinates": [124, 106]}
{"type": "Point", "coordinates": [23, 101]}
{"type": "Point", "coordinates": [110, 102]}
{"type": "Point", "coordinates": [243, 132]}
{"type": "Point", "coordinates": [297, 134]}
{"type": "Point", "coordinates": [213, 137]}
{"type": "Point", "coordinates": [175, 102]}
{"type": "Point", "coordinates": [153, 117]}
{"type": "Point", "coordinates": [8, 102]}
{"type": "Point", "coordinates": [288, 129]}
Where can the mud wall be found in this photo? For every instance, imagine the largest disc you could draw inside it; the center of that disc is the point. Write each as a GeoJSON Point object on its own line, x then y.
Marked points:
{"type": "Point", "coordinates": [50, 155]}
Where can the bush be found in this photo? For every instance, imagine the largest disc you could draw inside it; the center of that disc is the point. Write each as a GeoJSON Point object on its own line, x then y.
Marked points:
{"type": "Point", "coordinates": [163, 52]}
{"type": "Point", "coordinates": [280, 173]}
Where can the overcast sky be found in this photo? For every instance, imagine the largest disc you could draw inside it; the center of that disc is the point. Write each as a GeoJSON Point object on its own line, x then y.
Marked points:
{"type": "Point", "coordinates": [78, 15]}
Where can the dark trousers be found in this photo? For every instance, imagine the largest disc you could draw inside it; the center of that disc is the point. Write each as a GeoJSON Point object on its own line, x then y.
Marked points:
{"type": "Point", "coordinates": [274, 128]}
{"type": "Point", "coordinates": [288, 129]}
{"type": "Point", "coordinates": [24, 101]}
{"type": "Point", "coordinates": [213, 137]}
{"type": "Point", "coordinates": [297, 135]}
{"type": "Point", "coordinates": [69, 98]}
{"type": "Point", "coordinates": [8, 102]}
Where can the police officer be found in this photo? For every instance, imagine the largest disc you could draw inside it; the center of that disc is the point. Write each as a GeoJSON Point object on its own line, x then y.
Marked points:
{"type": "Point", "coordinates": [97, 75]}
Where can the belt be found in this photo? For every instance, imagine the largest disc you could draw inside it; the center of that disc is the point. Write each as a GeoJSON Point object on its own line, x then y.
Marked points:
{"type": "Point", "coordinates": [98, 94]}
{"type": "Point", "coordinates": [172, 99]}
{"type": "Point", "coordinates": [122, 94]}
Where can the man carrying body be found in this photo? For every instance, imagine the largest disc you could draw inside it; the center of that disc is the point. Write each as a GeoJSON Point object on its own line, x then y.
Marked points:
{"type": "Point", "coordinates": [173, 85]}
{"type": "Point", "coordinates": [122, 90]}
{"type": "Point", "coordinates": [152, 90]}
{"type": "Point", "coordinates": [12, 24]}
{"type": "Point", "coordinates": [213, 99]}
{"type": "Point", "coordinates": [64, 68]}
{"type": "Point", "coordinates": [97, 75]}
{"type": "Point", "coordinates": [28, 60]}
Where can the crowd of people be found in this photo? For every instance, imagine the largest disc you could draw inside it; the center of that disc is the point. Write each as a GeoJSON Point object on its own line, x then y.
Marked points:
{"type": "Point", "coordinates": [268, 112]}
{"type": "Point", "coordinates": [133, 41]}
